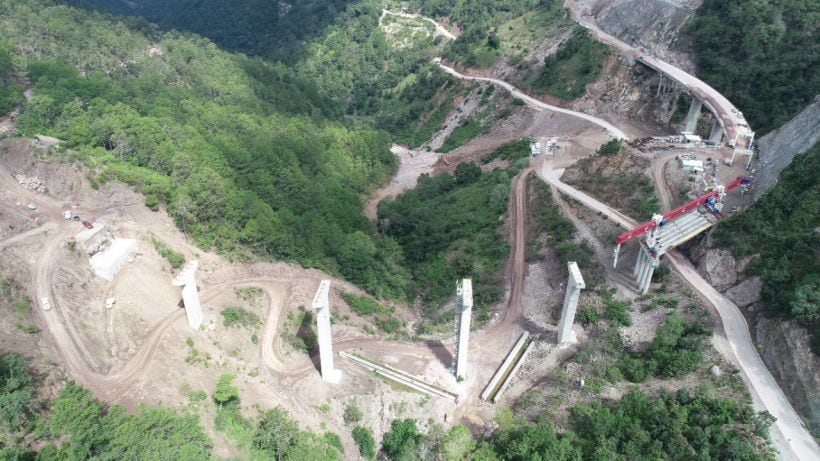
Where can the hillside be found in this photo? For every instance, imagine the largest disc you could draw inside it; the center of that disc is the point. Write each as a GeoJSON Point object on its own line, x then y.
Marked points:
{"type": "Point", "coordinates": [284, 144]}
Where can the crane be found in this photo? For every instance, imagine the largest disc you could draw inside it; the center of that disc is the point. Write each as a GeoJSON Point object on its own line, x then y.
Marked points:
{"type": "Point", "coordinates": [713, 200]}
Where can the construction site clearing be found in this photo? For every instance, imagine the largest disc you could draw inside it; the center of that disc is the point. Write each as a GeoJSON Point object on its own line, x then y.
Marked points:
{"type": "Point", "coordinates": [114, 304]}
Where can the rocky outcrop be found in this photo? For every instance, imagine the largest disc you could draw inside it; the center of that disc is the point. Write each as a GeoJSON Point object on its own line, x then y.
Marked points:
{"type": "Point", "coordinates": [656, 28]}
{"type": "Point", "coordinates": [746, 292]}
{"type": "Point", "coordinates": [719, 268]}
{"type": "Point", "coordinates": [779, 147]}
{"type": "Point", "coordinates": [784, 347]}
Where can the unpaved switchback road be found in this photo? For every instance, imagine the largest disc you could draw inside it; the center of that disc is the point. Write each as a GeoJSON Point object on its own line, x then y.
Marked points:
{"type": "Point", "coordinates": [790, 435]}
{"type": "Point", "coordinates": [535, 103]}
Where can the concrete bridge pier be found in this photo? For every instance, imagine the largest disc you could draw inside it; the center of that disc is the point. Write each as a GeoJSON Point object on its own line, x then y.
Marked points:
{"type": "Point", "coordinates": [464, 309]}
{"type": "Point", "coordinates": [321, 305]}
{"type": "Point", "coordinates": [717, 132]}
{"type": "Point", "coordinates": [190, 296]}
{"type": "Point", "coordinates": [644, 268]}
{"type": "Point", "coordinates": [693, 115]}
{"type": "Point", "coordinates": [574, 286]}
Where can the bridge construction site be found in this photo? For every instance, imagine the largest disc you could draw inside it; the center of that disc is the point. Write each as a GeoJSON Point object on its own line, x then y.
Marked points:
{"type": "Point", "coordinates": [132, 328]}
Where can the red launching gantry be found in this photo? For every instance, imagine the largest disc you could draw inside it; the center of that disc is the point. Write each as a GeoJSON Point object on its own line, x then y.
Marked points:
{"type": "Point", "coordinates": [713, 200]}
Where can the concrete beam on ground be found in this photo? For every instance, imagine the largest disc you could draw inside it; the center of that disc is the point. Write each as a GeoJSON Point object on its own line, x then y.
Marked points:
{"type": "Point", "coordinates": [321, 305]}
{"type": "Point", "coordinates": [504, 369]}
{"type": "Point", "coordinates": [402, 378]}
{"type": "Point", "coordinates": [512, 372]}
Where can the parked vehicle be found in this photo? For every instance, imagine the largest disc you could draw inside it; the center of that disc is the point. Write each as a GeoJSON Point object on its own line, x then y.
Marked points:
{"type": "Point", "coordinates": [88, 225]}
{"type": "Point", "coordinates": [46, 304]}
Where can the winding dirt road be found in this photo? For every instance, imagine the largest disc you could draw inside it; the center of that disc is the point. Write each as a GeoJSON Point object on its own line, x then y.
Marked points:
{"type": "Point", "coordinates": [535, 103]}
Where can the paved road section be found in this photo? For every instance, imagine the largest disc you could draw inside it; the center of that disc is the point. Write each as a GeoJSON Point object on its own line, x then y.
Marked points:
{"type": "Point", "coordinates": [730, 117]}
{"type": "Point", "coordinates": [790, 435]}
{"type": "Point", "coordinates": [536, 104]}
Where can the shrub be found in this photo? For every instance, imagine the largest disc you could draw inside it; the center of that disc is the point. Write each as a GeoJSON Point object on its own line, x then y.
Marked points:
{"type": "Point", "coordinates": [352, 413]}
{"type": "Point", "coordinates": [610, 148]}
{"type": "Point", "coordinates": [365, 441]}
{"type": "Point", "coordinates": [239, 317]}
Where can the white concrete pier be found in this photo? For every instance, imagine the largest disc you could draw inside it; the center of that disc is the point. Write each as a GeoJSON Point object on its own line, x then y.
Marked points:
{"type": "Point", "coordinates": [574, 286]}
{"type": "Point", "coordinates": [321, 304]}
{"type": "Point", "coordinates": [464, 309]}
{"type": "Point", "coordinates": [190, 296]}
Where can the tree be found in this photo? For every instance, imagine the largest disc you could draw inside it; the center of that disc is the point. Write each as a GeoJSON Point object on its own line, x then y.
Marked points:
{"type": "Point", "coordinates": [365, 441]}
{"type": "Point", "coordinates": [352, 412]}
{"type": "Point", "coordinates": [457, 443]}
{"type": "Point", "coordinates": [467, 173]}
{"type": "Point", "coordinates": [225, 393]}
{"type": "Point", "coordinates": [276, 432]}
{"type": "Point", "coordinates": [400, 442]}
{"type": "Point", "coordinates": [16, 390]}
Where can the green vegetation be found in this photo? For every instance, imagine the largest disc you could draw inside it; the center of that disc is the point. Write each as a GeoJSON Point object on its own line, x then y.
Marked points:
{"type": "Point", "coordinates": [680, 425]}
{"type": "Point", "coordinates": [11, 93]}
{"type": "Point", "coordinates": [239, 317]}
{"type": "Point", "coordinates": [365, 441]}
{"type": "Point", "coordinates": [448, 227]}
{"type": "Point", "coordinates": [577, 62]}
{"type": "Point", "coordinates": [299, 331]}
{"type": "Point", "coordinates": [478, 45]}
{"type": "Point", "coordinates": [610, 148]}
{"type": "Point", "coordinates": [511, 151]}
{"type": "Point", "coordinates": [176, 258]}
{"type": "Point", "coordinates": [616, 310]}
{"type": "Point", "coordinates": [780, 228]}
{"type": "Point", "coordinates": [204, 133]}
{"type": "Point", "coordinates": [546, 218]}
{"type": "Point", "coordinates": [75, 426]}
{"type": "Point", "coordinates": [463, 133]}
{"type": "Point", "coordinates": [382, 316]}
{"type": "Point", "coordinates": [352, 414]}
{"type": "Point", "coordinates": [761, 54]}
{"type": "Point", "coordinates": [674, 352]}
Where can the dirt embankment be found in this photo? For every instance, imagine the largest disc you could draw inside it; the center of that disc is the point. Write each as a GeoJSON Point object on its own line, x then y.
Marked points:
{"type": "Point", "coordinates": [618, 180]}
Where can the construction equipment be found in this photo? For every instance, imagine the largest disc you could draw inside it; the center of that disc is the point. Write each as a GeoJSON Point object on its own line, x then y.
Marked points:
{"type": "Point", "coordinates": [713, 200]}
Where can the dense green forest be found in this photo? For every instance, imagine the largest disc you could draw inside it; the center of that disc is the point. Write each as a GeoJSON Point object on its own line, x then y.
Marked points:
{"type": "Point", "coordinates": [761, 54]}
{"type": "Point", "coordinates": [781, 228]}
{"type": "Point", "coordinates": [448, 227]}
{"type": "Point", "coordinates": [205, 133]}
{"type": "Point", "coordinates": [680, 425]}
{"type": "Point", "coordinates": [274, 30]}
{"type": "Point", "coordinates": [11, 92]}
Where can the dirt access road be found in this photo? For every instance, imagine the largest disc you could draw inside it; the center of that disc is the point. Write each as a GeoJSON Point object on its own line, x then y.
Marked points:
{"type": "Point", "coordinates": [535, 103]}
{"type": "Point", "coordinates": [82, 365]}
{"type": "Point", "coordinates": [792, 439]}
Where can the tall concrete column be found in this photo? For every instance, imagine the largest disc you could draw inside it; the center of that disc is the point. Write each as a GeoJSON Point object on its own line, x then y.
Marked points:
{"type": "Point", "coordinates": [464, 310]}
{"type": "Point", "coordinates": [644, 269]}
{"type": "Point", "coordinates": [321, 304]}
{"type": "Point", "coordinates": [693, 115]}
{"type": "Point", "coordinates": [716, 134]}
{"type": "Point", "coordinates": [574, 286]}
{"type": "Point", "coordinates": [190, 296]}
{"type": "Point", "coordinates": [660, 86]}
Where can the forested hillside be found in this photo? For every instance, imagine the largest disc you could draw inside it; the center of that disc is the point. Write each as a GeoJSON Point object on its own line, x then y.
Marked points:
{"type": "Point", "coordinates": [781, 229]}
{"type": "Point", "coordinates": [274, 30]}
{"type": "Point", "coordinates": [761, 54]}
{"type": "Point", "coordinates": [236, 148]}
